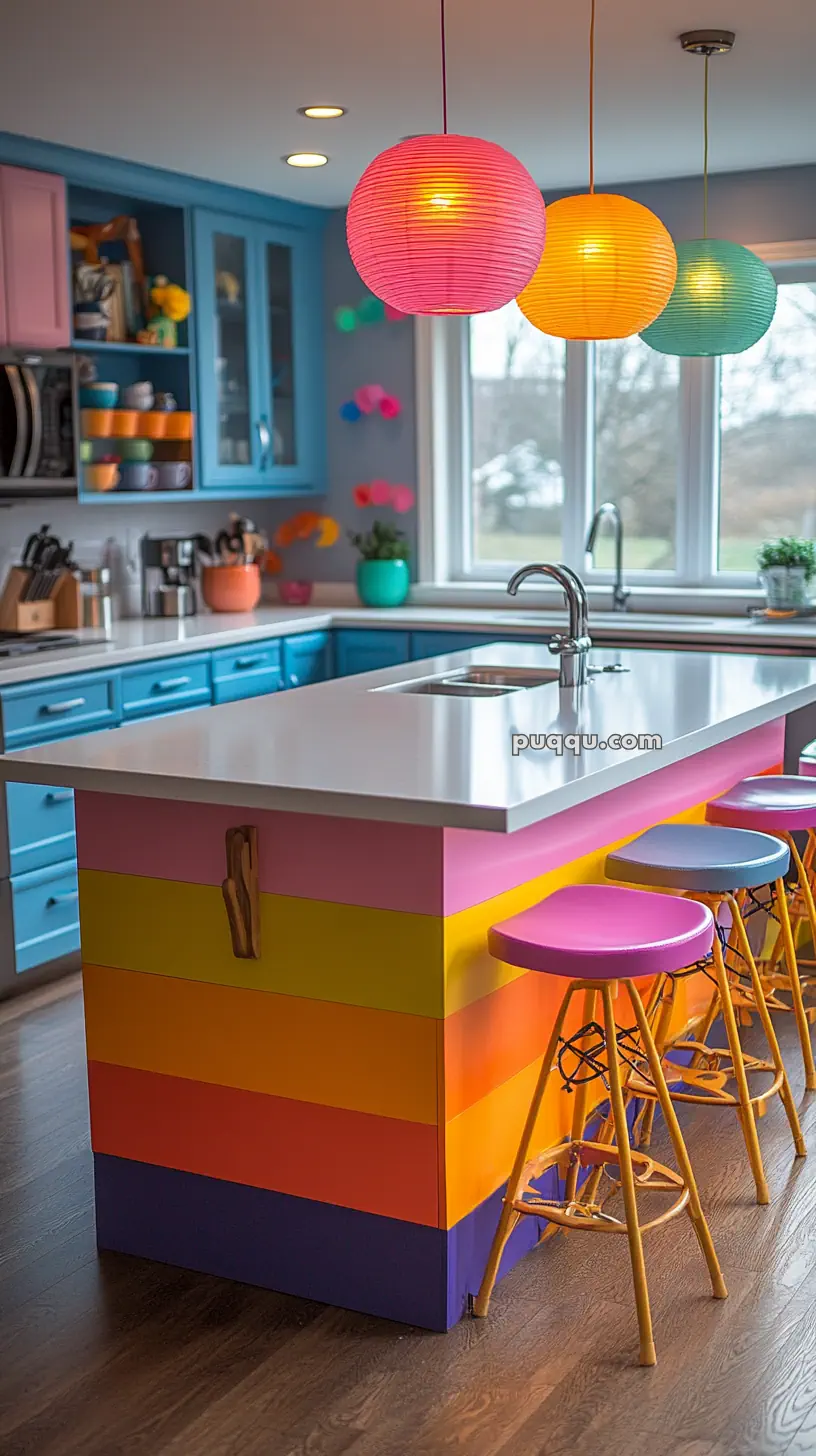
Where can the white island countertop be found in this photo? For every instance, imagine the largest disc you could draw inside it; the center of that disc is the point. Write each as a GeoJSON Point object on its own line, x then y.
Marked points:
{"type": "Point", "coordinates": [344, 748]}
{"type": "Point", "coordinates": [139, 640]}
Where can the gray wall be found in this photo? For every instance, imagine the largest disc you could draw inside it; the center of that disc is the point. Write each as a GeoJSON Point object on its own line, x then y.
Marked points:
{"type": "Point", "coordinates": [773, 206]}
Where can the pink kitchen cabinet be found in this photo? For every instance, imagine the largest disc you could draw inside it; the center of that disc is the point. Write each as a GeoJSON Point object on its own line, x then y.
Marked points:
{"type": "Point", "coordinates": [34, 309]}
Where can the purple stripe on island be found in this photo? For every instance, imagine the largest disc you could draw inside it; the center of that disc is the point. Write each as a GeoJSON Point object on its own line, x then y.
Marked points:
{"type": "Point", "coordinates": [361, 1261]}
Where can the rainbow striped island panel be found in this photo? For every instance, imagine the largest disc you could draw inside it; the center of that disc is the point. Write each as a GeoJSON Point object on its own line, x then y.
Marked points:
{"type": "Point", "coordinates": [337, 1118]}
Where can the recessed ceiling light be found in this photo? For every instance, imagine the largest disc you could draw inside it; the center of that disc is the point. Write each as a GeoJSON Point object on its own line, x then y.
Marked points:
{"type": "Point", "coordinates": [306, 159]}
{"type": "Point", "coordinates": [322, 113]}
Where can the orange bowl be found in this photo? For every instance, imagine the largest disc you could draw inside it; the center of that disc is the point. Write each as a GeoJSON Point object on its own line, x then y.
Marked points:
{"type": "Point", "coordinates": [231, 588]}
{"type": "Point", "coordinates": [152, 423]}
{"type": "Point", "coordinates": [97, 423]}
{"type": "Point", "coordinates": [124, 423]}
{"type": "Point", "coordinates": [179, 425]}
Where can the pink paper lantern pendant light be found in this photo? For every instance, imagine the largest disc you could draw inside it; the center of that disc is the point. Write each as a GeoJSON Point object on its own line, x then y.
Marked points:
{"type": "Point", "coordinates": [445, 224]}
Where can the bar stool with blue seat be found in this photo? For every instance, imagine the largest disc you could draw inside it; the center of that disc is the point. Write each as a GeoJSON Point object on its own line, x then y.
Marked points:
{"type": "Point", "coordinates": [713, 866]}
{"type": "Point", "coordinates": [595, 937]}
{"type": "Point", "coordinates": [781, 804]}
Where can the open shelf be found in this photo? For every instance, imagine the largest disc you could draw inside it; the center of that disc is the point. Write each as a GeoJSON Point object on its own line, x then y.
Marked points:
{"type": "Point", "coordinates": [100, 346]}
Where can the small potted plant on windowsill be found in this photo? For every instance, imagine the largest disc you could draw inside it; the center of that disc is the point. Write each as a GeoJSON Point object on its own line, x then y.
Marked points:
{"type": "Point", "coordinates": [786, 566]}
{"type": "Point", "coordinates": [383, 577]}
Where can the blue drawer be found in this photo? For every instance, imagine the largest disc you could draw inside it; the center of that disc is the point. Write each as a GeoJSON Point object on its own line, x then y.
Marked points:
{"type": "Point", "coordinates": [45, 911]}
{"type": "Point", "coordinates": [41, 829]}
{"type": "Point", "coordinates": [366, 651]}
{"type": "Point", "coordinates": [166, 686]}
{"type": "Point", "coordinates": [247, 671]}
{"type": "Point", "coordinates": [306, 659]}
{"type": "Point", "coordinates": [433, 644]}
{"type": "Point", "coordinates": [59, 707]}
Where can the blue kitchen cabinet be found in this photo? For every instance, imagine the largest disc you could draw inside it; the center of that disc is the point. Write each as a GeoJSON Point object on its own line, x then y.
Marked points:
{"type": "Point", "coordinates": [366, 651]}
{"type": "Point", "coordinates": [59, 707]}
{"type": "Point", "coordinates": [433, 644]}
{"type": "Point", "coordinates": [169, 686]}
{"type": "Point", "coordinates": [261, 387]}
{"type": "Point", "coordinates": [39, 918]}
{"type": "Point", "coordinates": [39, 828]}
{"type": "Point", "coordinates": [306, 659]}
{"type": "Point", "coordinates": [247, 671]}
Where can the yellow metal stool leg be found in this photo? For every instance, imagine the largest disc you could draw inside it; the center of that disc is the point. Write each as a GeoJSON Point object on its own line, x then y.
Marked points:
{"type": "Point", "coordinates": [579, 1111]}
{"type": "Point", "coordinates": [509, 1215]}
{"type": "Point", "coordinates": [746, 1111]}
{"type": "Point", "coordinates": [802, 1024]}
{"type": "Point", "coordinates": [647, 1347]}
{"type": "Point", "coordinates": [768, 1028]}
{"type": "Point", "coordinates": [696, 1214]}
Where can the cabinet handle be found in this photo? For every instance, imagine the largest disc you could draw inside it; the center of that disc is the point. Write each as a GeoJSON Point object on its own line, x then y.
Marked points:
{"type": "Point", "coordinates": [244, 662]}
{"type": "Point", "coordinates": [69, 898]}
{"type": "Point", "coordinates": [66, 706]}
{"type": "Point", "coordinates": [169, 684]}
{"type": "Point", "coordinates": [294, 681]}
{"type": "Point", "coordinates": [266, 441]}
{"type": "Point", "coordinates": [64, 796]}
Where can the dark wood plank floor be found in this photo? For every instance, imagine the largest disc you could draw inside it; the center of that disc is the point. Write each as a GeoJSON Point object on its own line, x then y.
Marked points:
{"type": "Point", "coordinates": [106, 1354]}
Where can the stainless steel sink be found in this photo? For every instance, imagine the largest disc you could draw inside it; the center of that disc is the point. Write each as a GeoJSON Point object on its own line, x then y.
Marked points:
{"type": "Point", "coordinates": [507, 677]}
{"type": "Point", "coordinates": [476, 682]}
{"type": "Point", "coordinates": [448, 688]}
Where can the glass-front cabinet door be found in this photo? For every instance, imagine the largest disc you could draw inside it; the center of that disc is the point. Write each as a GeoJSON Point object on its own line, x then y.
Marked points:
{"type": "Point", "coordinates": [260, 363]}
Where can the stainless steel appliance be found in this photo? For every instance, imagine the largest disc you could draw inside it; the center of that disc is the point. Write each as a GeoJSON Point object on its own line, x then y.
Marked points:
{"type": "Point", "coordinates": [169, 565]}
{"type": "Point", "coordinates": [16, 644]}
{"type": "Point", "coordinates": [97, 603]}
{"type": "Point", "coordinates": [38, 423]}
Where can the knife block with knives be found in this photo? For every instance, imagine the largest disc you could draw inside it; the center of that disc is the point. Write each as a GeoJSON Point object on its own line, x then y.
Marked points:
{"type": "Point", "coordinates": [44, 590]}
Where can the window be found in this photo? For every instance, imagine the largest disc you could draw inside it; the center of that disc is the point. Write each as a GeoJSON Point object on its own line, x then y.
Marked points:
{"type": "Point", "coordinates": [706, 458]}
{"type": "Point", "coordinates": [768, 433]}
{"type": "Point", "coordinates": [637, 420]}
{"type": "Point", "coordinates": [516, 444]}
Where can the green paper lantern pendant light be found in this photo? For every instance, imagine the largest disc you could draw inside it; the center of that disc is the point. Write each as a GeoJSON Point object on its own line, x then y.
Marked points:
{"type": "Point", "coordinates": [724, 297]}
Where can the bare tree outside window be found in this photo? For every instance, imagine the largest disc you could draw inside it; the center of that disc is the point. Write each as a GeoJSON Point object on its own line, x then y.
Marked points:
{"type": "Point", "coordinates": [637, 414]}
{"type": "Point", "coordinates": [768, 433]}
{"type": "Point", "coordinates": [517, 406]}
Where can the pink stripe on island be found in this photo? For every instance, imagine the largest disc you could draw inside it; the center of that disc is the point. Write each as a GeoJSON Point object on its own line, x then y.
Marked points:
{"type": "Point", "coordinates": [345, 861]}
{"type": "Point", "coordinates": [424, 871]}
{"type": "Point", "coordinates": [479, 865]}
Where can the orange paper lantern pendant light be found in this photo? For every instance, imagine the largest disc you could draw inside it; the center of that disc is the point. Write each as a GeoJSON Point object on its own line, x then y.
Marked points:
{"type": "Point", "coordinates": [609, 265]}
{"type": "Point", "coordinates": [445, 224]}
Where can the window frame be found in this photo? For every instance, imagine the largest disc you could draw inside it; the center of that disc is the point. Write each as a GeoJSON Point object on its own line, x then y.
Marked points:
{"type": "Point", "coordinates": [443, 436]}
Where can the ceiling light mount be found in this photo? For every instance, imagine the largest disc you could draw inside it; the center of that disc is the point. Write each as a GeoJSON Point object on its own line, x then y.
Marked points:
{"type": "Point", "coordinates": [707, 42]}
{"type": "Point", "coordinates": [322, 113]}
{"type": "Point", "coordinates": [306, 159]}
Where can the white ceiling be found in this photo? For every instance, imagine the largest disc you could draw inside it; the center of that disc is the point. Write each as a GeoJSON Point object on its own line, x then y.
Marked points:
{"type": "Point", "coordinates": [213, 89]}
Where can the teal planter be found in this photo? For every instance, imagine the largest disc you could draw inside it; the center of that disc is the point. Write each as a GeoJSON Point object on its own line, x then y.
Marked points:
{"type": "Point", "coordinates": [383, 583]}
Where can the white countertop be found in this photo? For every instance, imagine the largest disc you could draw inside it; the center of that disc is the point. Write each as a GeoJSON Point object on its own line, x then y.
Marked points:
{"type": "Point", "coordinates": [140, 640]}
{"type": "Point", "coordinates": [340, 748]}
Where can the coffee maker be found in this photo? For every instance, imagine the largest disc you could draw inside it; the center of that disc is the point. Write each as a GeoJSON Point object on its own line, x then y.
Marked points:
{"type": "Point", "coordinates": [169, 565]}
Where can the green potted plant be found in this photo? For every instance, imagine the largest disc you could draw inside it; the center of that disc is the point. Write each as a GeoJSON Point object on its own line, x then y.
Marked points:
{"type": "Point", "coordinates": [786, 566]}
{"type": "Point", "coordinates": [383, 578]}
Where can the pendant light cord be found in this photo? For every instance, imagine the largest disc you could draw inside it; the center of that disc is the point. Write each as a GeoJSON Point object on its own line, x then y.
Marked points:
{"type": "Point", "coordinates": [444, 68]}
{"type": "Point", "coordinates": [705, 150]}
{"type": "Point", "coordinates": [592, 96]}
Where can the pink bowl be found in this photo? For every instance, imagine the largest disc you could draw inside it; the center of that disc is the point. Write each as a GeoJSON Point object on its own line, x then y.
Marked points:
{"type": "Point", "coordinates": [295, 593]}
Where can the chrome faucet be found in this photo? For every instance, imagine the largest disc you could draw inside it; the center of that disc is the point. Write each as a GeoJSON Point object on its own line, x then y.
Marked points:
{"type": "Point", "coordinates": [572, 647]}
{"type": "Point", "coordinates": [609, 510]}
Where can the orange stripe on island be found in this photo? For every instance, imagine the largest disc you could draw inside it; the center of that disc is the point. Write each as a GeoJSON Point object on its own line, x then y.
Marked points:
{"type": "Point", "coordinates": [375, 1164]}
{"type": "Point", "coordinates": [382, 1062]}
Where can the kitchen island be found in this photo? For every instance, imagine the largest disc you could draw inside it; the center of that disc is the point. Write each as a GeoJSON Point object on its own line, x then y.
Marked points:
{"type": "Point", "coordinates": [335, 1115]}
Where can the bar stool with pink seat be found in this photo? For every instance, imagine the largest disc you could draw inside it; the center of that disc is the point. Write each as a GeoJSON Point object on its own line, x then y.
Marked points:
{"type": "Point", "coordinates": [781, 804]}
{"type": "Point", "coordinates": [597, 937]}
